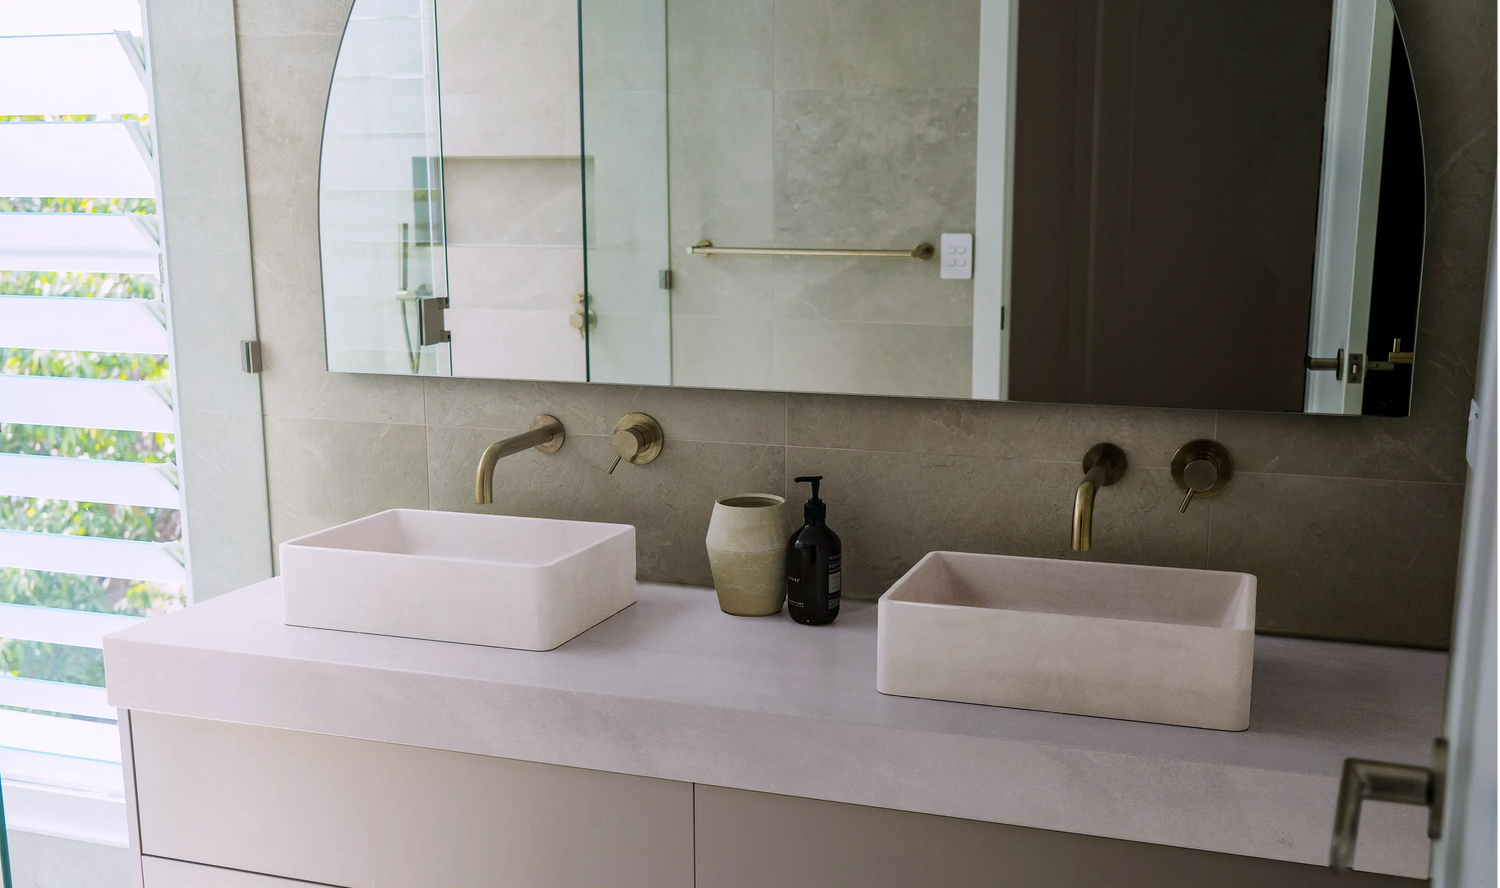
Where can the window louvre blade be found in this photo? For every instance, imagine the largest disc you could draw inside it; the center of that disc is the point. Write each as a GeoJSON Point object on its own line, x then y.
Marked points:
{"type": "Point", "coordinates": [73, 17]}
{"type": "Point", "coordinates": [97, 242]}
{"type": "Point", "coordinates": [73, 159]}
{"type": "Point", "coordinates": [69, 74]}
{"type": "Point", "coordinates": [54, 696]}
{"type": "Point", "coordinates": [60, 736]}
{"type": "Point", "coordinates": [88, 480]}
{"type": "Point", "coordinates": [54, 625]}
{"type": "Point", "coordinates": [89, 556]}
{"type": "Point", "coordinates": [72, 323]}
{"type": "Point", "coordinates": [85, 403]}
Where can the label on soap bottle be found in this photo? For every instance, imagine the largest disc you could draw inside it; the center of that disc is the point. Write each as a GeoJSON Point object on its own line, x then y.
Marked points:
{"type": "Point", "coordinates": [835, 579]}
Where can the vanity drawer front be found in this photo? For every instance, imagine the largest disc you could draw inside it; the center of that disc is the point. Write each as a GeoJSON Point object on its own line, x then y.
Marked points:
{"type": "Point", "coordinates": [355, 812]}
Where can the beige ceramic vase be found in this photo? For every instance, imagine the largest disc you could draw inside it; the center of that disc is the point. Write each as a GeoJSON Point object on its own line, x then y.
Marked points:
{"type": "Point", "coordinates": [747, 550]}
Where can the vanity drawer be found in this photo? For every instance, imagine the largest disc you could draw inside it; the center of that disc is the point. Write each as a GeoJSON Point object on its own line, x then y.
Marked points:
{"type": "Point", "coordinates": [355, 812]}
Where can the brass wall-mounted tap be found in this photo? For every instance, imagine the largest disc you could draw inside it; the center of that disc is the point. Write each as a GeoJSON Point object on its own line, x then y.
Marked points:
{"type": "Point", "coordinates": [1103, 465]}
{"type": "Point", "coordinates": [546, 435]}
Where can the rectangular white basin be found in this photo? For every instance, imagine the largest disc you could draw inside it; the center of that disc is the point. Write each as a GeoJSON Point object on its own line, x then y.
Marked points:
{"type": "Point", "coordinates": [528, 583]}
{"type": "Point", "coordinates": [1155, 644]}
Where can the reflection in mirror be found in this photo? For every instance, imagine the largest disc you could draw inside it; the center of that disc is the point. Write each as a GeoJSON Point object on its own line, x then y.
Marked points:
{"type": "Point", "coordinates": [379, 196]}
{"type": "Point", "coordinates": [1138, 202]}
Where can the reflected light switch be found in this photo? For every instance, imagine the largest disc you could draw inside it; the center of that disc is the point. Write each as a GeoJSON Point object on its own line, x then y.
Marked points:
{"type": "Point", "coordinates": [956, 257]}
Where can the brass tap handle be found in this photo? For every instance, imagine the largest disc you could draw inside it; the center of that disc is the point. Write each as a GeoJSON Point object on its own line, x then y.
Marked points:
{"type": "Point", "coordinates": [638, 439]}
{"type": "Point", "coordinates": [1201, 468]}
{"type": "Point", "coordinates": [1386, 782]}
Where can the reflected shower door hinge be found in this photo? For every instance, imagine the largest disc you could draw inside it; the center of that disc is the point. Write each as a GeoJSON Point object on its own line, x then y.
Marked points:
{"type": "Point", "coordinates": [666, 279]}
{"type": "Point", "coordinates": [431, 320]}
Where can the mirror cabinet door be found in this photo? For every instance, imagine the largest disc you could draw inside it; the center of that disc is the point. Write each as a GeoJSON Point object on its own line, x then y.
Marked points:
{"type": "Point", "coordinates": [380, 206]}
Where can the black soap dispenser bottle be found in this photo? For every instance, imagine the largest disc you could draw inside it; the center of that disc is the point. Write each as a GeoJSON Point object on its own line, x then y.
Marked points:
{"type": "Point", "coordinates": [814, 564]}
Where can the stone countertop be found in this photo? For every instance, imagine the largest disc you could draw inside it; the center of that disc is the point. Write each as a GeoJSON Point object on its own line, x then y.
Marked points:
{"type": "Point", "coordinates": [673, 688]}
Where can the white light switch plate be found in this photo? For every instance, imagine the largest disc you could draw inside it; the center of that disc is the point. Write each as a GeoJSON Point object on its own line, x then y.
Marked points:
{"type": "Point", "coordinates": [957, 256]}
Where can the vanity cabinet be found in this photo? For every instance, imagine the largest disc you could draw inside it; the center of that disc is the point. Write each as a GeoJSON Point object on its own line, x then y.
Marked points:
{"type": "Point", "coordinates": [754, 838]}
{"type": "Point", "coordinates": [338, 811]}
{"type": "Point", "coordinates": [224, 805]}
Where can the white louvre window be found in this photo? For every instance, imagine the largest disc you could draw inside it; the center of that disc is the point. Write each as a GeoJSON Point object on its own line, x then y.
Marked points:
{"type": "Point", "coordinates": [89, 501]}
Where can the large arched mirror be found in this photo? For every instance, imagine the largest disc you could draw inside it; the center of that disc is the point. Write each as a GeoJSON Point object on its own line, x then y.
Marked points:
{"type": "Point", "coordinates": [1138, 202]}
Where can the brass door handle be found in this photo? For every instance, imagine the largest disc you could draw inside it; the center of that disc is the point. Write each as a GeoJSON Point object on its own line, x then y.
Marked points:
{"type": "Point", "coordinates": [1386, 782]}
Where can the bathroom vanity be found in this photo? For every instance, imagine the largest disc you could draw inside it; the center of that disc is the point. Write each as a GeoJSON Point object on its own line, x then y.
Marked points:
{"type": "Point", "coordinates": [675, 745]}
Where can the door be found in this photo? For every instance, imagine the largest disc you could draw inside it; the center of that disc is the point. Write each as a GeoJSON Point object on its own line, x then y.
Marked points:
{"type": "Point", "coordinates": [1464, 855]}
{"type": "Point", "coordinates": [1460, 785]}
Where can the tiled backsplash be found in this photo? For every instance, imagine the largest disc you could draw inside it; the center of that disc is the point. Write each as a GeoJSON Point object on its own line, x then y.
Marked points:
{"type": "Point", "coordinates": [1351, 524]}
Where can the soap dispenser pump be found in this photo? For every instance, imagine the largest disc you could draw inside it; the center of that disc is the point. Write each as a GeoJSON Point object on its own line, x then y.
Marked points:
{"type": "Point", "coordinates": [814, 564]}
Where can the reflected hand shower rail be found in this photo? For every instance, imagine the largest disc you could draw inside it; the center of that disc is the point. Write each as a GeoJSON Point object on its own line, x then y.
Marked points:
{"type": "Point", "coordinates": [922, 251]}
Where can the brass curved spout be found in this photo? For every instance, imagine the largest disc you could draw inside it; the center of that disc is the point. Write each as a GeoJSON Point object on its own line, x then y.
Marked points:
{"type": "Point", "coordinates": [1103, 465]}
{"type": "Point", "coordinates": [546, 435]}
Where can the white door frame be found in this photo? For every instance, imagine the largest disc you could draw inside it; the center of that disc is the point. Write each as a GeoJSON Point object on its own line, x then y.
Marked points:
{"type": "Point", "coordinates": [1464, 856]}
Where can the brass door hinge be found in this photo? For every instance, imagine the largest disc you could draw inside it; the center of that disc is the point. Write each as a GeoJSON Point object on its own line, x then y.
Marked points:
{"type": "Point", "coordinates": [430, 320]}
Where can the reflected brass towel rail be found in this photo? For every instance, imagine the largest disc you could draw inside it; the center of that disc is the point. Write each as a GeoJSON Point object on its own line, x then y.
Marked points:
{"type": "Point", "coordinates": [922, 251]}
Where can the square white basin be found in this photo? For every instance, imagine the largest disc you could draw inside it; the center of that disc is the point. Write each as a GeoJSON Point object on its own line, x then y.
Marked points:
{"type": "Point", "coordinates": [528, 583]}
{"type": "Point", "coordinates": [1155, 644]}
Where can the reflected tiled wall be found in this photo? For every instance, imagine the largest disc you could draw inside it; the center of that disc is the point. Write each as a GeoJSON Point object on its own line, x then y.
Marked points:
{"type": "Point", "coordinates": [1351, 523]}
{"type": "Point", "coordinates": [821, 123]}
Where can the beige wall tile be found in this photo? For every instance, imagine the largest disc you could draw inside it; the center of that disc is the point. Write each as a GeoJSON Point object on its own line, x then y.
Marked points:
{"type": "Point", "coordinates": [509, 200]}
{"type": "Point", "coordinates": [724, 352]}
{"type": "Point", "coordinates": [921, 360]}
{"type": "Point", "coordinates": [668, 501]}
{"type": "Point", "coordinates": [624, 45]}
{"type": "Point", "coordinates": [719, 44]}
{"type": "Point", "coordinates": [277, 18]}
{"type": "Point", "coordinates": [876, 168]}
{"type": "Point", "coordinates": [832, 44]}
{"type": "Point", "coordinates": [890, 509]}
{"type": "Point", "coordinates": [498, 46]}
{"type": "Point", "coordinates": [1347, 446]}
{"type": "Point", "coordinates": [1339, 558]}
{"type": "Point", "coordinates": [720, 156]}
{"type": "Point", "coordinates": [324, 472]}
{"type": "Point", "coordinates": [685, 414]}
{"type": "Point", "coordinates": [1057, 433]}
{"type": "Point", "coordinates": [873, 290]}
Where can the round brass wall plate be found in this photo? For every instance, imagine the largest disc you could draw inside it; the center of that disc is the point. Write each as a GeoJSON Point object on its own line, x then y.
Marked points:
{"type": "Point", "coordinates": [546, 421]}
{"type": "Point", "coordinates": [1116, 457]}
{"type": "Point", "coordinates": [1203, 449]}
{"type": "Point", "coordinates": [648, 430]}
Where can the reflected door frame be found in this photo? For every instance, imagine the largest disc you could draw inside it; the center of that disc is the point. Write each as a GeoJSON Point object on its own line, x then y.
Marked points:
{"type": "Point", "coordinates": [998, 27]}
{"type": "Point", "coordinates": [1359, 65]}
